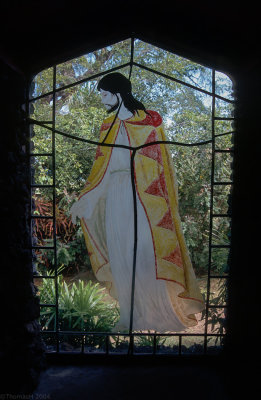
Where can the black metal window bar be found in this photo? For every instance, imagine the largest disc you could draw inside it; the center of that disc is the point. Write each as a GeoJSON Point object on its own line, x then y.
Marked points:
{"type": "Point", "coordinates": [50, 125]}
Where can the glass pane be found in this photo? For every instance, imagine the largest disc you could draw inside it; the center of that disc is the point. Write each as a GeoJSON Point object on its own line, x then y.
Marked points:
{"type": "Point", "coordinates": [42, 82]}
{"type": "Point", "coordinates": [119, 344]}
{"type": "Point", "coordinates": [72, 172]}
{"type": "Point", "coordinates": [219, 261]}
{"type": "Point", "coordinates": [95, 344]}
{"type": "Point", "coordinates": [223, 126]}
{"type": "Point", "coordinates": [79, 111]}
{"type": "Point", "coordinates": [224, 109]}
{"type": "Point", "coordinates": [221, 230]}
{"type": "Point", "coordinates": [223, 167]}
{"type": "Point", "coordinates": [221, 197]}
{"type": "Point", "coordinates": [37, 282]}
{"type": "Point", "coordinates": [41, 140]}
{"type": "Point", "coordinates": [193, 168]}
{"type": "Point", "coordinates": [223, 85]}
{"type": "Point", "coordinates": [42, 203]}
{"type": "Point", "coordinates": [42, 173]}
{"type": "Point", "coordinates": [46, 287]}
{"type": "Point", "coordinates": [200, 327]}
{"type": "Point", "coordinates": [43, 262]}
{"type": "Point", "coordinates": [93, 63]}
{"type": "Point", "coordinates": [70, 343]}
{"type": "Point", "coordinates": [192, 345]}
{"type": "Point", "coordinates": [217, 321]}
{"type": "Point", "coordinates": [42, 109]}
{"type": "Point", "coordinates": [42, 232]}
{"type": "Point", "coordinates": [173, 65]}
{"type": "Point", "coordinates": [47, 318]}
{"type": "Point", "coordinates": [167, 345]}
{"type": "Point", "coordinates": [143, 344]}
{"type": "Point", "coordinates": [186, 113]}
{"type": "Point", "coordinates": [218, 292]}
{"type": "Point", "coordinates": [225, 142]}
{"type": "Point", "coordinates": [215, 344]}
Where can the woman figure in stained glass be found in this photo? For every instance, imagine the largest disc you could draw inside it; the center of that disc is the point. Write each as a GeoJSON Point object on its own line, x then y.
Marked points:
{"type": "Point", "coordinates": [166, 294]}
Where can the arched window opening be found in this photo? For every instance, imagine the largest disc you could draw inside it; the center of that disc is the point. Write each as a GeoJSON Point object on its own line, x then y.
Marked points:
{"type": "Point", "coordinates": [196, 103]}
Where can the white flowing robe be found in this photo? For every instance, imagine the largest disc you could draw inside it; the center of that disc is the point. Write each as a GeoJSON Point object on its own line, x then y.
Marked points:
{"type": "Point", "coordinates": [113, 226]}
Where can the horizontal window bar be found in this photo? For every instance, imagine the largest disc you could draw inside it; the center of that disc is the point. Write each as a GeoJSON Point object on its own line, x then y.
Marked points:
{"type": "Point", "coordinates": [223, 183]}
{"type": "Point", "coordinates": [42, 247]}
{"type": "Point", "coordinates": [47, 305]}
{"type": "Point", "coordinates": [220, 246]}
{"type": "Point", "coordinates": [44, 276]}
{"type": "Point", "coordinates": [221, 215]}
{"type": "Point", "coordinates": [41, 186]}
{"type": "Point", "coordinates": [224, 151]}
{"type": "Point", "coordinates": [47, 122]}
{"type": "Point", "coordinates": [225, 133]}
{"type": "Point", "coordinates": [43, 216]}
{"type": "Point", "coordinates": [224, 118]}
{"type": "Point", "coordinates": [40, 154]}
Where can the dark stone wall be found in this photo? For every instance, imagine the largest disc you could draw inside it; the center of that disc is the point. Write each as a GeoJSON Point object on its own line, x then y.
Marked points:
{"type": "Point", "coordinates": [244, 340]}
{"type": "Point", "coordinates": [21, 349]}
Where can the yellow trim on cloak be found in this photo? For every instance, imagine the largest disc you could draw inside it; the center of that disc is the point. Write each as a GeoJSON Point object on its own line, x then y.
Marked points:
{"type": "Point", "coordinates": [156, 185]}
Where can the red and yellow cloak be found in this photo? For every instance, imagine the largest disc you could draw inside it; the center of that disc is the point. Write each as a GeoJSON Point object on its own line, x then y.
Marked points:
{"type": "Point", "coordinates": [156, 186]}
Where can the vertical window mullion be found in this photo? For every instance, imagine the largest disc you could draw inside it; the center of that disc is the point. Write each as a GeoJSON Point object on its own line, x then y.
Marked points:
{"type": "Point", "coordinates": [131, 56]}
{"type": "Point", "coordinates": [28, 151]}
{"type": "Point", "coordinates": [135, 240]}
{"type": "Point", "coordinates": [54, 210]}
{"type": "Point", "coordinates": [211, 206]}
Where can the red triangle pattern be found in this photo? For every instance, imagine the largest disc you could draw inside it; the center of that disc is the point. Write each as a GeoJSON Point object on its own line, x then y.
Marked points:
{"type": "Point", "coordinates": [175, 257]}
{"type": "Point", "coordinates": [152, 151]}
{"type": "Point", "coordinates": [99, 153]}
{"type": "Point", "coordinates": [105, 126]}
{"type": "Point", "coordinates": [166, 222]}
{"type": "Point", "coordinates": [153, 118]}
{"type": "Point", "coordinates": [158, 187]}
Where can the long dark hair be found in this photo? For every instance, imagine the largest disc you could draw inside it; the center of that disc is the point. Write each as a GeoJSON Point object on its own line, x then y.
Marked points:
{"type": "Point", "coordinates": [118, 83]}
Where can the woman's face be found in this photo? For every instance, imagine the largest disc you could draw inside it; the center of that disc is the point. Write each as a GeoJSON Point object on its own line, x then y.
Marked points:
{"type": "Point", "coordinates": [108, 99]}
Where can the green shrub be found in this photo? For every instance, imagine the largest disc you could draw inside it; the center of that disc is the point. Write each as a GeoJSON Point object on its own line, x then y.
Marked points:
{"type": "Point", "coordinates": [82, 307]}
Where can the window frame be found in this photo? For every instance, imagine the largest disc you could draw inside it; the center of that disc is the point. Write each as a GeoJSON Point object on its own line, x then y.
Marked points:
{"type": "Point", "coordinates": [50, 125]}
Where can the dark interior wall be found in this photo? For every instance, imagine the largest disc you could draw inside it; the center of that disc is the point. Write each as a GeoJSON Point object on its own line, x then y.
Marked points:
{"type": "Point", "coordinates": [245, 273]}
{"type": "Point", "coordinates": [20, 344]}
{"type": "Point", "coordinates": [203, 39]}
